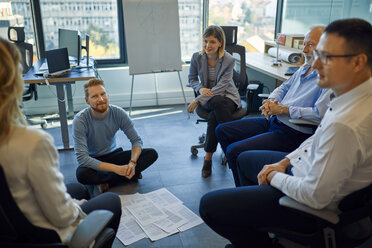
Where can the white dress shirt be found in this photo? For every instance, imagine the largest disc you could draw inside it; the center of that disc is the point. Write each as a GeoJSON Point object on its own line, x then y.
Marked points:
{"type": "Point", "coordinates": [337, 159]}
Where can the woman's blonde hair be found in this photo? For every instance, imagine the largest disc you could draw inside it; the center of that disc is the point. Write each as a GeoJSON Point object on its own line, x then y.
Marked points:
{"type": "Point", "coordinates": [218, 33]}
{"type": "Point", "coordinates": [11, 89]}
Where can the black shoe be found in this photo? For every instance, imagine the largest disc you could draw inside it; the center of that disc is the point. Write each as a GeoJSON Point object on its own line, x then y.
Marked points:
{"type": "Point", "coordinates": [207, 168]}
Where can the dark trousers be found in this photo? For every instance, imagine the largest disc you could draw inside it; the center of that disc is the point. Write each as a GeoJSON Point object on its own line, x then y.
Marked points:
{"type": "Point", "coordinates": [258, 133]}
{"type": "Point", "coordinates": [220, 109]}
{"type": "Point", "coordinates": [106, 201]}
{"type": "Point", "coordinates": [250, 163]}
{"type": "Point", "coordinates": [119, 157]}
{"type": "Point", "coordinates": [245, 214]}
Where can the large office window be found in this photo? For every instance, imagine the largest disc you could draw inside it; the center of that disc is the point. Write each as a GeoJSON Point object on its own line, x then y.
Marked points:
{"type": "Point", "coordinates": [101, 20]}
{"type": "Point", "coordinates": [299, 15]}
{"type": "Point", "coordinates": [17, 13]}
{"type": "Point", "coordinates": [191, 13]}
{"type": "Point", "coordinates": [98, 19]}
{"type": "Point", "coordinates": [255, 20]}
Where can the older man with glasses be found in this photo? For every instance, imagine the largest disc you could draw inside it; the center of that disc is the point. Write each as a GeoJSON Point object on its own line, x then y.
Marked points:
{"type": "Point", "coordinates": [334, 162]}
{"type": "Point", "coordinates": [297, 98]}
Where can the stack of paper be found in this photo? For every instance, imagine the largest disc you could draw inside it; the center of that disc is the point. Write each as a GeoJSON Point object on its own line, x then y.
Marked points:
{"type": "Point", "coordinates": [155, 215]}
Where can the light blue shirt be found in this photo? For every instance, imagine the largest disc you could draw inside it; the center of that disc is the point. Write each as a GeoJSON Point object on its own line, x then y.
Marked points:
{"type": "Point", "coordinates": [97, 137]}
{"type": "Point", "coordinates": [304, 97]}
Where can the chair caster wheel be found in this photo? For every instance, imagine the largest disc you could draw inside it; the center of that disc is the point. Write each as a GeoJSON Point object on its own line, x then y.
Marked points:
{"type": "Point", "coordinates": [44, 125]}
{"type": "Point", "coordinates": [202, 138]}
{"type": "Point", "coordinates": [194, 151]}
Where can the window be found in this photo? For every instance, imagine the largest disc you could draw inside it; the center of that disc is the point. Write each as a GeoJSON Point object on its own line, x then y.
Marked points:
{"type": "Point", "coordinates": [299, 16]}
{"type": "Point", "coordinates": [17, 13]}
{"type": "Point", "coordinates": [255, 20]}
{"type": "Point", "coordinates": [190, 13]}
{"type": "Point", "coordinates": [97, 19]}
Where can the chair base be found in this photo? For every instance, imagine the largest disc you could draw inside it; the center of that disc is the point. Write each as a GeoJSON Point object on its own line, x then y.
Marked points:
{"type": "Point", "coordinates": [194, 149]}
{"type": "Point", "coordinates": [37, 121]}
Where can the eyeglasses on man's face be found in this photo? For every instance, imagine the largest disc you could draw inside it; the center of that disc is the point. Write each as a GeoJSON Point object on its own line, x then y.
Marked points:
{"type": "Point", "coordinates": [323, 56]}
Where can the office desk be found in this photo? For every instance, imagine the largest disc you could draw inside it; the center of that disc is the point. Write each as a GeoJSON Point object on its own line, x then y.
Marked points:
{"type": "Point", "coordinates": [262, 62]}
{"type": "Point", "coordinates": [82, 74]}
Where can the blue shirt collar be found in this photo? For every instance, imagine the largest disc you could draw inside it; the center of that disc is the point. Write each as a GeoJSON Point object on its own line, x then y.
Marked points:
{"type": "Point", "coordinates": [305, 68]}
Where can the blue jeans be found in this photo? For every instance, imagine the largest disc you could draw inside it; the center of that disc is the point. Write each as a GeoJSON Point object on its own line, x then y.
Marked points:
{"type": "Point", "coordinates": [258, 133]}
{"type": "Point", "coordinates": [245, 214]}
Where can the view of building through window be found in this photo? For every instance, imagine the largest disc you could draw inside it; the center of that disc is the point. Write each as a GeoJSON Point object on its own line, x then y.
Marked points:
{"type": "Point", "coordinates": [299, 16]}
{"type": "Point", "coordinates": [190, 12]}
{"type": "Point", "coordinates": [17, 13]}
{"type": "Point", "coordinates": [98, 19]}
{"type": "Point", "coordinates": [255, 20]}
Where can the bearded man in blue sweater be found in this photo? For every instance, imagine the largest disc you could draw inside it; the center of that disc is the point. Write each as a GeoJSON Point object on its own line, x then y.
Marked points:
{"type": "Point", "coordinates": [101, 161]}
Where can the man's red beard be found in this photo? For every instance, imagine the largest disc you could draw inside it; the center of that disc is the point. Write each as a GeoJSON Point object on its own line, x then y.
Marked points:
{"type": "Point", "coordinates": [100, 110]}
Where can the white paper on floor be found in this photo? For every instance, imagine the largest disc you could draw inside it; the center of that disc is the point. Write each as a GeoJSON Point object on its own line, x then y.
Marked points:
{"type": "Point", "coordinates": [155, 215]}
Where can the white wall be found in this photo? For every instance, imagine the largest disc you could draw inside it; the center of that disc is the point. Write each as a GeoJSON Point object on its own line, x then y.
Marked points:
{"type": "Point", "coordinates": [118, 83]}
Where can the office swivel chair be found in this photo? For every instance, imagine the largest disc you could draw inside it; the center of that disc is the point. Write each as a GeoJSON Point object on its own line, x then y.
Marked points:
{"type": "Point", "coordinates": [17, 231]}
{"type": "Point", "coordinates": [17, 35]}
{"type": "Point", "coordinates": [350, 228]}
{"type": "Point", "coordinates": [241, 81]}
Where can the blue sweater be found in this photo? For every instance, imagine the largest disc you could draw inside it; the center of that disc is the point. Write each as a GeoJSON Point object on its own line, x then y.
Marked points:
{"type": "Point", "coordinates": [97, 137]}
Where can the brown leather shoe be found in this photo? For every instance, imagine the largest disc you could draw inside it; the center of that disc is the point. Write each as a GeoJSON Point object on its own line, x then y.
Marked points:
{"type": "Point", "coordinates": [207, 168]}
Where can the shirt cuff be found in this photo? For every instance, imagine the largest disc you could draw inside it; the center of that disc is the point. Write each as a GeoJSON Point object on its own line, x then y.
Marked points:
{"type": "Point", "coordinates": [294, 112]}
{"type": "Point", "coordinates": [140, 144]}
{"type": "Point", "coordinates": [203, 99]}
{"type": "Point", "coordinates": [95, 164]}
{"type": "Point", "coordinates": [278, 180]}
{"type": "Point", "coordinates": [198, 88]}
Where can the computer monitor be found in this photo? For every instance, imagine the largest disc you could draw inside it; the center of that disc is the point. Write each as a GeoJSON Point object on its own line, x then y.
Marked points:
{"type": "Point", "coordinates": [72, 41]}
{"type": "Point", "coordinates": [86, 47]}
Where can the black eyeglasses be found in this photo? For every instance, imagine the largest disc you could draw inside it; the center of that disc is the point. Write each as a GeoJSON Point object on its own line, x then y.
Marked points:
{"type": "Point", "coordinates": [323, 57]}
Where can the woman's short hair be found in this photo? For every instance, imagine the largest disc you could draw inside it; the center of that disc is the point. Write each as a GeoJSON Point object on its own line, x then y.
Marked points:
{"type": "Point", "coordinates": [218, 33]}
{"type": "Point", "coordinates": [11, 89]}
{"type": "Point", "coordinates": [92, 82]}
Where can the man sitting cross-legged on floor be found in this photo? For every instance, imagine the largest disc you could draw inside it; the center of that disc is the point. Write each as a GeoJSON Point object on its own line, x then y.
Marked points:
{"type": "Point", "coordinates": [101, 162]}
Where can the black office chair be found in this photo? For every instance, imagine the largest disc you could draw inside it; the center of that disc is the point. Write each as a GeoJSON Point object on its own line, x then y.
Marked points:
{"type": "Point", "coordinates": [350, 228]}
{"type": "Point", "coordinates": [27, 53]}
{"type": "Point", "coordinates": [17, 231]}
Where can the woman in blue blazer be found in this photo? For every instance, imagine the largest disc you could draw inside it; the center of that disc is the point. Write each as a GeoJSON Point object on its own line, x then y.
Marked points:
{"type": "Point", "coordinates": [211, 76]}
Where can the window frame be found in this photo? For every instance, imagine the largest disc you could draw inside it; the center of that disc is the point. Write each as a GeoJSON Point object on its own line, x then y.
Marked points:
{"type": "Point", "coordinates": [123, 59]}
{"type": "Point", "coordinates": [40, 40]}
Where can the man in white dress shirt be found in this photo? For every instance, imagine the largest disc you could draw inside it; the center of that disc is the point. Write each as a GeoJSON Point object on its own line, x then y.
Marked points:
{"type": "Point", "coordinates": [334, 162]}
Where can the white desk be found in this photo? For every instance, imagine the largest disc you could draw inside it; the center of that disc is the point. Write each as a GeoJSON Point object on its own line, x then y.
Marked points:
{"type": "Point", "coordinates": [262, 62]}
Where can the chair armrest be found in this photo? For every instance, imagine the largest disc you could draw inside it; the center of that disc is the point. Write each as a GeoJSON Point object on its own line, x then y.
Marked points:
{"type": "Point", "coordinates": [253, 86]}
{"type": "Point", "coordinates": [263, 95]}
{"type": "Point", "coordinates": [324, 214]}
{"type": "Point", "coordinates": [303, 122]}
{"type": "Point", "coordinates": [88, 230]}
